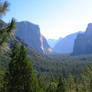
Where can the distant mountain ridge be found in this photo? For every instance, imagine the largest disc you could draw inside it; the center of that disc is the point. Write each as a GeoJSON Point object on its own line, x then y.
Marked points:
{"type": "Point", "coordinates": [83, 42]}
{"type": "Point", "coordinates": [66, 44]}
{"type": "Point", "coordinates": [53, 42]}
{"type": "Point", "coordinates": [30, 34]}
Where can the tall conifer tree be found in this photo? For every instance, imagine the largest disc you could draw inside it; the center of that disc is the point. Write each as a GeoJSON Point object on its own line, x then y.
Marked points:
{"type": "Point", "coordinates": [5, 29]}
{"type": "Point", "coordinates": [61, 87]}
{"type": "Point", "coordinates": [21, 77]}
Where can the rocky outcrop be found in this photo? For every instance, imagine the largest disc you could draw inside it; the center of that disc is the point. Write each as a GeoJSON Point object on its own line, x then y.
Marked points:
{"type": "Point", "coordinates": [83, 42]}
{"type": "Point", "coordinates": [30, 34]}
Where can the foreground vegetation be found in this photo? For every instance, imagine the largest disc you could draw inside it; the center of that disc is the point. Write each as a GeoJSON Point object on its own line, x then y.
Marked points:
{"type": "Point", "coordinates": [17, 74]}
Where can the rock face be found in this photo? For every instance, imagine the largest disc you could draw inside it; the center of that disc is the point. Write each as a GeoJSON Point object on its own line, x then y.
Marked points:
{"type": "Point", "coordinates": [83, 42]}
{"type": "Point", "coordinates": [30, 34]}
{"type": "Point", "coordinates": [66, 44]}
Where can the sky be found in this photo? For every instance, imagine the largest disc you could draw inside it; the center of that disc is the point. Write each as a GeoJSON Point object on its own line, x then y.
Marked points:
{"type": "Point", "coordinates": [56, 18]}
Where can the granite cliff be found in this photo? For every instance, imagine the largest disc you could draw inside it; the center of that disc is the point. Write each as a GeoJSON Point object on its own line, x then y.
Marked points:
{"type": "Point", "coordinates": [30, 34]}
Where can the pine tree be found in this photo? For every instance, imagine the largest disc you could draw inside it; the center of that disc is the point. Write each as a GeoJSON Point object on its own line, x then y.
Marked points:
{"type": "Point", "coordinates": [5, 29]}
{"type": "Point", "coordinates": [87, 80]}
{"type": "Point", "coordinates": [42, 82]}
{"type": "Point", "coordinates": [13, 69]}
{"type": "Point", "coordinates": [21, 77]}
{"type": "Point", "coordinates": [71, 83]}
{"type": "Point", "coordinates": [61, 87]}
{"type": "Point", "coordinates": [52, 87]}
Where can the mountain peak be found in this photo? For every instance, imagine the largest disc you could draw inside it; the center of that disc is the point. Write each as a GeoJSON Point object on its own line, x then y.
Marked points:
{"type": "Point", "coordinates": [83, 42]}
{"type": "Point", "coordinates": [89, 27]}
{"type": "Point", "coordinates": [27, 22]}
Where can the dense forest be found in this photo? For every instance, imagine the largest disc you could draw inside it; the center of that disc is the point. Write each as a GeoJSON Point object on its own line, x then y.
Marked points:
{"type": "Point", "coordinates": [22, 69]}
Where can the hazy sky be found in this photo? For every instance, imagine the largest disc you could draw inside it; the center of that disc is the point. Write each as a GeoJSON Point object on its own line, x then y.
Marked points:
{"type": "Point", "coordinates": [56, 18]}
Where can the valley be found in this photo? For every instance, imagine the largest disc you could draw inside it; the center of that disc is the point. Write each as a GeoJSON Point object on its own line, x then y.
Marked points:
{"type": "Point", "coordinates": [29, 62]}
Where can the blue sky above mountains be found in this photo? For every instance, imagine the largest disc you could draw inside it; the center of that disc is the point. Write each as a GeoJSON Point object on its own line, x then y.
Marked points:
{"type": "Point", "coordinates": [56, 18]}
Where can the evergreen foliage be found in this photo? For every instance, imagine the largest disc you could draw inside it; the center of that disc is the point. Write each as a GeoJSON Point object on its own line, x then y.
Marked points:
{"type": "Point", "coordinates": [71, 83]}
{"type": "Point", "coordinates": [61, 87]}
{"type": "Point", "coordinates": [20, 76]}
{"type": "Point", "coordinates": [5, 29]}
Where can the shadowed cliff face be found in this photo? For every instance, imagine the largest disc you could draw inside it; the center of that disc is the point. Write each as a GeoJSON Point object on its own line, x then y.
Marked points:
{"type": "Point", "coordinates": [30, 34]}
{"type": "Point", "coordinates": [83, 42]}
